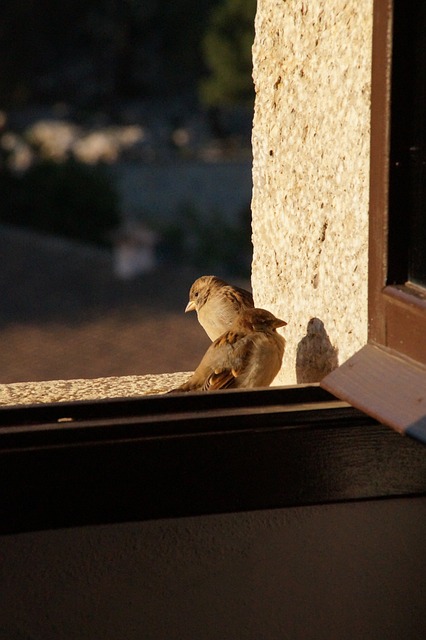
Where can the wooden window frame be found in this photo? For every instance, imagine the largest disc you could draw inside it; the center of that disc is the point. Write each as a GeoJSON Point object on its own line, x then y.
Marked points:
{"type": "Point", "coordinates": [89, 463]}
{"type": "Point", "coordinates": [396, 307]}
{"type": "Point", "coordinates": [387, 378]}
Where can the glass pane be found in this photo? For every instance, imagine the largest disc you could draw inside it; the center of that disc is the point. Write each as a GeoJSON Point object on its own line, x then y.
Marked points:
{"type": "Point", "coordinates": [417, 155]}
{"type": "Point", "coordinates": [119, 184]}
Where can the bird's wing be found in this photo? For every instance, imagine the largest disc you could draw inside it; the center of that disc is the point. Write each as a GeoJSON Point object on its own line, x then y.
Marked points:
{"type": "Point", "coordinates": [224, 361]}
{"type": "Point", "coordinates": [235, 351]}
{"type": "Point", "coordinates": [221, 379]}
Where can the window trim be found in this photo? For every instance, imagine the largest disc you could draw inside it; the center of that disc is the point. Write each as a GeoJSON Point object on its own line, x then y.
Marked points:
{"type": "Point", "coordinates": [379, 167]}
{"type": "Point", "coordinates": [88, 463]}
{"type": "Point", "coordinates": [392, 307]}
{"type": "Point", "coordinates": [195, 454]}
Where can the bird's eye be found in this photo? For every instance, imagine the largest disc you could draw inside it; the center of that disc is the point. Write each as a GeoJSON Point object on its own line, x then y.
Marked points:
{"type": "Point", "coordinates": [196, 294]}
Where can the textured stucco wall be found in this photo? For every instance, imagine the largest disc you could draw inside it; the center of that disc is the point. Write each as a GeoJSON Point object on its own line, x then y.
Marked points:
{"type": "Point", "coordinates": [312, 64]}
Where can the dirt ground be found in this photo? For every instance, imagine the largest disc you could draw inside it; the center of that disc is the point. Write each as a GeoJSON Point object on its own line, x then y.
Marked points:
{"type": "Point", "coordinates": [64, 315]}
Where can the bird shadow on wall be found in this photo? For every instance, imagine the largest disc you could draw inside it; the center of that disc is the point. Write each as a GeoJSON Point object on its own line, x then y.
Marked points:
{"type": "Point", "coordinates": [316, 356]}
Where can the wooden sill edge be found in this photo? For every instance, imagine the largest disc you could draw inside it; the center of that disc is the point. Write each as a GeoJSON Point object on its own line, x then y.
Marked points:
{"type": "Point", "coordinates": [387, 387]}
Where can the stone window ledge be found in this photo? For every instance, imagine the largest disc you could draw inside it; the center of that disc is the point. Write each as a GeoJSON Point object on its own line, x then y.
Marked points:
{"type": "Point", "coordinates": [88, 389]}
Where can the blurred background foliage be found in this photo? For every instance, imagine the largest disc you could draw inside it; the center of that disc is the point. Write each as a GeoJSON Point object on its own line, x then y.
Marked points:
{"type": "Point", "coordinates": [91, 58]}
{"type": "Point", "coordinates": [209, 242]}
{"type": "Point", "coordinates": [112, 115]}
{"type": "Point", "coordinates": [110, 50]}
{"type": "Point", "coordinates": [69, 199]}
{"type": "Point", "coordinates": [226, 48]}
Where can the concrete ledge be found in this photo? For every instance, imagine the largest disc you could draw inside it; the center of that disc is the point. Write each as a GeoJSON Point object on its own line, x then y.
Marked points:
{"type": "Point", "coordinates": [19, 393]}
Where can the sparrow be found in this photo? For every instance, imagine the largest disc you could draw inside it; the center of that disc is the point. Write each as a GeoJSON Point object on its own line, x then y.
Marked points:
{"type": "Point", "coordinates": [248, 355]}
{"type": "Point", "coordinates": [217, 303]}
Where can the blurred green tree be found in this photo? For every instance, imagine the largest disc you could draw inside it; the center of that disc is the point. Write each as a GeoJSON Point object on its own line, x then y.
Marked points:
{"type": "Point", "coordinates": [227, 50]}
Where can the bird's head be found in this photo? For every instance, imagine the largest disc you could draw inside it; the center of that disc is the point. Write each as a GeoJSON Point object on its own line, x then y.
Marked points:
{"type": "Point", "coordinates": [201, 290]}
{"type": "Point", "coordinates": [260, 320]}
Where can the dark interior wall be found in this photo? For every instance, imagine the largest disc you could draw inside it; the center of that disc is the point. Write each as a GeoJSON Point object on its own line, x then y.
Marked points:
{"type": "Point", "coordinates": [354, 570]}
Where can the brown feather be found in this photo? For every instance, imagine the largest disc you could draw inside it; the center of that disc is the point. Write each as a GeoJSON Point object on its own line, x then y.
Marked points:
{"type": "Point", "coordinates": [248, 355]}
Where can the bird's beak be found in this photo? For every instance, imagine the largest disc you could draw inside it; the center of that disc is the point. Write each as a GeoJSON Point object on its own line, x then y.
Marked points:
{"type": "Point", "coordinates": [190, 306]}
{"type": "Point", "coordinates": [280, 323]}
